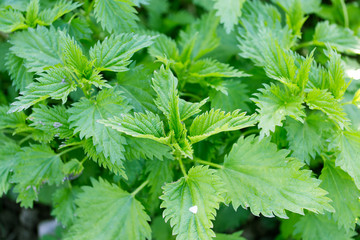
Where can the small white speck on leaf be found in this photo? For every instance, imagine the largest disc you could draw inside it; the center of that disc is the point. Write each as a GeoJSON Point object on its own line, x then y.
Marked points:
{"type": "Point", "coordinates": [193, 209]}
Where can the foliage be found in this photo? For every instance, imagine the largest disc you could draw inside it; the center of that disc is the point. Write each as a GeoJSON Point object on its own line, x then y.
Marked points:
{"type": "Point", "coordinates": [148, 118]}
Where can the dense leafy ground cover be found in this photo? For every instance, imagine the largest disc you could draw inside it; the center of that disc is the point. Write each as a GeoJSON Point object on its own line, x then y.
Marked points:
{"type": "Point", "coordinates": [140, 119]}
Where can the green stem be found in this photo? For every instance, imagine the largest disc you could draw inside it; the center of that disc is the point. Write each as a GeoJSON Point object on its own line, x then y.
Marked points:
{"type": "Point", "coordinates": [198, 160]}
{"type": "Point", "coordinates": [250, 131]}
{"type": "Point", "coordinates": [304, 44]}
{"type": "Point", "coordinates": [68, 150]}
{"type": "Point", "coordinates": [139, 188]}
{"type": "Point", "coordinates": [73, 144]}
{"type": "Point", "coordinates": [84, 159]}
{"type": "Point", "coordinates": [24, 139]}
{"type": "Point", "coordinates": [195, 97]}
{"type": "Point", "coordinates": [182, 167]}
{"type": "Point", "coordinates": [345, 12]}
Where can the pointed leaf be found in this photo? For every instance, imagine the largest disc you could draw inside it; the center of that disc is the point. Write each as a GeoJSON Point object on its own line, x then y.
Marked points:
{"type": "Point", "coordinates": [347, 145]}
{"type": "Point", "coordinates": [86, 113]}
{"type": "Point", "coordinates": [53, 120]}
{"type": "Point", "coordinates": [8, 160]}
{"type": "Point", "coordinates": [308, 138]}
{"type": "Point", "coordinates": [254, 166]}
{"type": "Point", "coordinates": [141, 125]}
{"type": "Point", "coordinates": [114, 53]}
{"type": "Point", "coordinates": [116, 15]}
{"type": "Point", "coordinates": [320, 227]}
{"type": "Point", "coordinates": [216, 121]}
{"type": "Point", "coordinates": [191, 202]}
{"type": "Point", "coordinates": [344, 194]}
{"type": "Point", "coordinates": [275, 103]}
{"type": "Point", "coordinates": [11, 20]}
{"type": "Point", "coordinates": [37, 164]}
{"type": "Point", "coordinates": [117, 214]}
{"type": "Point", "coordinates": [323, 100]}
{"type": "Point", "coordinates": [55, 83]}
{"type": "Point", "coordinates": [39, 47]}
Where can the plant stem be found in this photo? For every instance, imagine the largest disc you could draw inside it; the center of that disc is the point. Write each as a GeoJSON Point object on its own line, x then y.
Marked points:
{"type": "Point", "coordinates": [182, 167]}
{"type": "Point", "coordinates": [345, 12]}
{"type": "Point", "coordinates": [72, 144]}
{"type": "Point", "coordinates": [139, 188]}
{"type": "Point", "coordinates": [304, 44]}
{"type": "Point", "coordinates": [24, 139]}
{"type": "Point", "coordinates": [198, 160]}
{"type": "Point", "coordinates": [68, 150]}
{"type": "Point", "coordinates": [84, 159]}
{"type": "Point", "coordinates": [250, 131]}
{"type": "Point", "coordinates": [195, 97]}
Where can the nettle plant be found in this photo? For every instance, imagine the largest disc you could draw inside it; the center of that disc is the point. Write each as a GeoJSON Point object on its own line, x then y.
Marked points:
{"type": "Point", "coordinates": [120, 140]}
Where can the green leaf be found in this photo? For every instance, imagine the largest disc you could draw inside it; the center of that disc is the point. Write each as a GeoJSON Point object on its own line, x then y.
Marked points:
{"type": "Point", "coordinates": [306, 5]}
{"type": "Point", "coordinates": [199, 38]}
{"type": "Point", "coordinates": [53, 120]}
{"type": "Point", "coordinates": [19, 75]}
{"type": "Point", "coordinates": [55, 83]}
{"type": "Point", "coordinates": [85, 114]}
{"type": "Point", "coordinates": [275, 103]}
{"type": "Point", "coordinates": [73, 168]}
{"type": "Point", "coordinates": [261, 31]}
{"type": "Point", "coordinates": [141, 125]}
{"type": "Point", "coordinates": [235, 97]}
{"type": "Point", "coordinates": [344, 194]}
{"type": "Point", "coordinates": [336, 72]}
{"type": "Point", "coordinates": [159, 173]}
{"type": "Point", "coordinates": [212, 68]}
{"type": "Point", "coordinates": [118, 214]}
{"type": "Point", "coordinates": [165, 85]}
{"type": "Point", "coordinates": [8, 160]}
{"type": "Point", "coordinates": [308, 138]}
{"type": "Point", "coordinates": [138, 90]}
{"type": "Point", "coordinates": [137, 148]}
{"type": "Point", "coordinates": [258, 176]}
{"type": "Point", "coordinates": [15, 4]}
{"type": "Point", "coordinates": [116, 15]}
{"type": "Point", "coordinates": [97, 155]}
{"type": "Point", "coordinates": [191, 202]}
{"type": "Point", "coordinates": [320, 227]}
{"type": "Point", "coordinates": [164, 46]}
{"type": "Point", "coordinates": [342, 39]}
{"type": "Point", "coordinates": [11, 120]}
{"type": "Point", "coordinates": [79, 28]}
{"type": "Point", "coordinates": [216, 121]}
{"type": "Point", "coordinates": [229, 12]}
{"type": "Point", "coordinates": [37, 164]}
{"type": "Point", "coordinates": [11, 20]}
{"type": "Point", "coordinates": [73, 55]}
{"type": "Point", "coordinates": [188, 109]}
{"type": "Point", "coordinates": [347, 145]}
{"type": "Point", "coordinates": [323, 100]}
{"type": "Point", "coordinates": [32, 12]}
{"type": "Point", "coordinates": [62, 7]}
{"type": "Point", "coordinates": [114, 53]}
{"type": "Point", "coordinates": [39, 47]}
{"type": "Point", "coordinates": [280, 64]}
{"type": "Point", "coordinates": [294, 14]}
{"type": "Point", "coordinates": [64, 205]}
